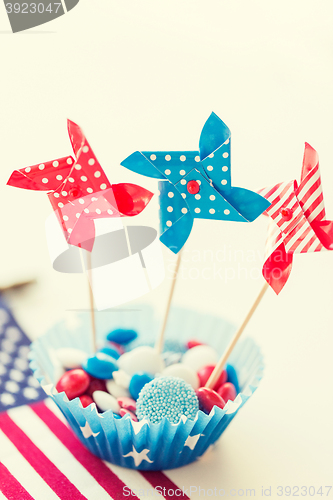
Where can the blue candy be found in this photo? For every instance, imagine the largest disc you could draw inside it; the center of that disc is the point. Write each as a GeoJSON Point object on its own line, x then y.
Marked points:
{"type": "Point", "coordinates": [110, 351]}
{"type": "Point", "coordinates": [122, 336]}
{"type": "Point", "coordinates": [100, 365]}
{"type": "Point", "coordinates": [232, 376]}
{"type": "Point", "coordinates": [137, 382]}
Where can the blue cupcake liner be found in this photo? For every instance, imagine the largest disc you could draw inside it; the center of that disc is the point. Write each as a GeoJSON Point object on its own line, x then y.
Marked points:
{"type": "Point", "coordinates": [142, 445]}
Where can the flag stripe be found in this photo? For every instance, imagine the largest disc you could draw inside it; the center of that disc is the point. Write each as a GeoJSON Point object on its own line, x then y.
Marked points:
{"type": "Point", "coordinates": [60, 456]}
{"type": "Point", "coordinates": [10, 486]}
{"type": "Point", "coordinates": [23, 471]}
{"type": "Point", "coordinates": [136, 482]}
{"type": "Point", "coordinates": [157, 478]}
{"type": "Point", "coordinates": [106, 478]}
{"type": "Point", "coordinates": [45, 468]}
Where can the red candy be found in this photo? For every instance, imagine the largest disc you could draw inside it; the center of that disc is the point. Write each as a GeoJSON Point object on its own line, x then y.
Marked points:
{"type": "Point", "coordinates": [193, 343]}
{"type": "Point", "coordinates": [74, 383]}
{"type": "Point", "coordinates": [124, 412]}
{"type": "Point", "coordinates": [205, 372]}
{"type": "Point", "coordinates": [209, 398]}
{"type": "Point", "coordinates": [127, 403]}
{"type": "Point", "coordinates": [227, 391]}
{"type": "Point", "coordinates": [86, 400]}
{"type": "Point", "coordinates": [96, 384]}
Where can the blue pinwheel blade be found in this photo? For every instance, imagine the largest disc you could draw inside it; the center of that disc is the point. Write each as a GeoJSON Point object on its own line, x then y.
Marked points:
{"type": "Point", "coordinates": [214, 133]}
{"type": "Point", "coordinates": [176, 220]}
{"type": "Point", "coordinates": [248, 203]}
{"type": "Point", "coordinates": [138, 162]}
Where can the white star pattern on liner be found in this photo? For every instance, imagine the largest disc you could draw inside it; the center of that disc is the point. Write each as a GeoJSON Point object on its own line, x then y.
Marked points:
{"type": "Point", "coordinates": [191, 441]}
{"type": "Point", "coordinates": [87, 432]}
{"type": "Point", "coordinates": [139, 457]}
{"type": "Point", "coordinates": [137, 426]}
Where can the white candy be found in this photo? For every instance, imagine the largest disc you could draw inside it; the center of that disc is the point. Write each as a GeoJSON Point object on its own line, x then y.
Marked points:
{"type": "Point", "coordinates": [117, 390]}
{"type": "Point", "coordinates": [200, 356]}
{"type": "Point", "coordinates": [70, 357]}
{"type": "Point", "coordinates": [58, 369]}
{"type": "Point", "coordinates": [105, 401]}
{"type": "Point", "coordinates": [141, 359]}
{"type": "Point", "coordinates": [183, 371]}
{"type": "Point", "coordinates": [122, 378]}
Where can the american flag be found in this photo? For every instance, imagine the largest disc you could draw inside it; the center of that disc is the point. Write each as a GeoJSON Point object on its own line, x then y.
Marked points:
{"type": "Point", "coordinates": [297, 221]}
{"type": "Point", "coordinates": [40, 457]}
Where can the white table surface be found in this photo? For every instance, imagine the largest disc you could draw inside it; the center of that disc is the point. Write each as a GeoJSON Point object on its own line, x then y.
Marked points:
{"type": "Point", "coordinates": [145, 75]}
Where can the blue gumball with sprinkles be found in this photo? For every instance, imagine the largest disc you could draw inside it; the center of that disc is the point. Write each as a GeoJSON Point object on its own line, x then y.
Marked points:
{"type": "Point", "coordinates": [169, 397]}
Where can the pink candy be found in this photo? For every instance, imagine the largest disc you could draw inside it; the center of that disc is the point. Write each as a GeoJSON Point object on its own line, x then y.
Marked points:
{"type": "Point", "coordinates": [74, 383]}
{"type": "Point", "coordinates": [127, 403]}
{"type": "Point", "coordinates": [208, 399]}
{"type": "Point", "coordinates": [124, 412]}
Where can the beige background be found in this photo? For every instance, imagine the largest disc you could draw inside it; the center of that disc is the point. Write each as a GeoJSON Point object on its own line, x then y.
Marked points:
{"type": "Point", "coordinates": [146, 75]}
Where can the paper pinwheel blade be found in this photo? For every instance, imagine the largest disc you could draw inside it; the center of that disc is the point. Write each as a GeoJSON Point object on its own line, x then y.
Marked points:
{"type": "Point", "coordinates": [197, 184]}
{"type": "Point", "coordinates": [79, 190]}
{"type": "Point", "coordinates": [297, 221]}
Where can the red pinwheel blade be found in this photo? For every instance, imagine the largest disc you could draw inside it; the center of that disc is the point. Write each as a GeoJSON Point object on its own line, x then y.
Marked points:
{"type": "Point", "coordinates": [277, 268]}
{"type": "Point", "coordinates": [130, 198]}
{"type": "Point", "coordinates": [45, 176]}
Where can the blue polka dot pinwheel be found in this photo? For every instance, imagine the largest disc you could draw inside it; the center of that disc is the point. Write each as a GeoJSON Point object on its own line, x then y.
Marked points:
{"type": "Point", "coordinates": [197, 184]}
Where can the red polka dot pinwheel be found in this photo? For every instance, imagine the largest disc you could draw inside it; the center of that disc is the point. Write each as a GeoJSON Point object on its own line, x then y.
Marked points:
{"type": "Point", "coordinates": [297, 221]}
{"type": "Point", "coordinates": [79, 190]}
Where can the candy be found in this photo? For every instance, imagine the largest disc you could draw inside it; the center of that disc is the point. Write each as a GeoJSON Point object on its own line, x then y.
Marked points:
{"type": "Point", "coordinates": [70, 357]}
{"type": "Point", "coordinates": [124, 412]}
{"type": "Point", "coordinates": [122, 378]}
{"type": "Point", "coordinates": [168, 397]}
{"type": "Point", "coordinates": [117, 347]}
{"type": "Point", "coordinates": [86, 400]}
{"type": "Point", "coordinates": [184, 372]}
{"type": "Point", "coordinates": [127, 403]}
{"type": "Point", "coordinates": [96, 385]}
{"type": "Point", "coordinates": [193, 343]}
{"type": "Point", "coordinates": [140, 359]}
{"type": "Point", "coordinates": [227, 391]}
{"type": "Point", "coordinates": [122, 336]}
{"type": "Point", "coordinates": [208, 399]}
{"type": "Point", "coordinates": [137, 382]}
{"type": "Point", "coordinates": [110, 351]}
{"type": "Point", "coordinates": [73, 383]}
{"type": "Point", "coordinates": [205, 372]}
{"type": "Point", "coordinates": [200, 356]}
{"type": "Point", "coordinates": [232, 376]}
{"type": "Point", "coordinates": [106, 402]}
{"type": "Point", "coordinates": [116, 390]}
{"type": "Point", "coordinates": [100, 365]}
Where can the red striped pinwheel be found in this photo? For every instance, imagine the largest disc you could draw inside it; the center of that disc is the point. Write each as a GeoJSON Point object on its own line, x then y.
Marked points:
{"type": "Point", "coordinates": [297, 221]}
{"type": "Point", "coordinates": [79, 190]}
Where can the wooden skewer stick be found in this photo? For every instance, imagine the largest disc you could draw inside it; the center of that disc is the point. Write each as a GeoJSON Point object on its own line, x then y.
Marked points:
{"type": "Point", "coordinates": [91, 297]}
{"type": "Point", "coordinates": [160, 339]}
{"type": "Point", "coordinates": [220, 365]}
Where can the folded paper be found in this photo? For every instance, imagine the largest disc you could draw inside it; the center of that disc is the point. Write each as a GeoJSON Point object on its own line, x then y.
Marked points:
{"type": "Point", "coordinates": [297, 221]}
{"type": "Point", "coordinates": [197, 184]}
{"type": "Point", "coordinates": [80, 192]}
{"type": "Point", "coordinates": [124, 264]}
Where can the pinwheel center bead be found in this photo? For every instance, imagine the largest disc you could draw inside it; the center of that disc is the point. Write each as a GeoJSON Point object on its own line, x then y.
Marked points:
{"type": "Point", "coordinates": [74, 192]}
{"type": "Point", "coordinates": [193, 187]}
{"type": "Point", "coordinates": [286, 213]}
